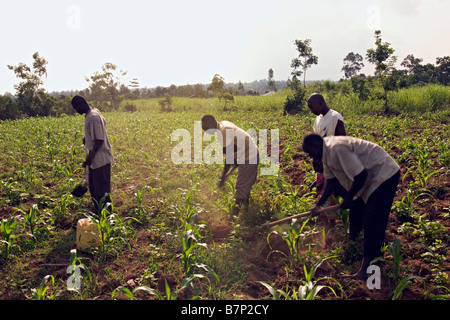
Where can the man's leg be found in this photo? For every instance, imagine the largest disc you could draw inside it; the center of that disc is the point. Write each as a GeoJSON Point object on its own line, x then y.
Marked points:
{"type": "Point", "coordinates": [356, 218]}
{"type": "Point", "coordinates": [101, 182]}
{"type": "Point", "coordinates": [376, 216]}
{"type": "Point", "coordinates": [246, 177]}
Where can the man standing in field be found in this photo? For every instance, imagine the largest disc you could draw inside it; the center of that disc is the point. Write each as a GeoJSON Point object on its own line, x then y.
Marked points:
{"type": "Point", "coordinates": [370, 177]}
{"type": "Point", "coordinates": [99, 154]}
{"type": "Point", "coordinates": [241, 152]}
{"type": "Point", "coordinates": [328, 123]}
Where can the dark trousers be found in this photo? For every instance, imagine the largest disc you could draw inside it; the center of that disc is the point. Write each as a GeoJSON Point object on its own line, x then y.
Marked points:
{"type": "Point", "coordinates": [100, 183]}
{"type": "Point", "coordinates": [373, 216]}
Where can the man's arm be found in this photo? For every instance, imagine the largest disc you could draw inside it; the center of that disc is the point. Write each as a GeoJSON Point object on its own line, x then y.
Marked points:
{"type": "Point", "coordinates": [91, 155]}
{"type": "Point", "coordinates": [357, 184]}
{"type": "Point", "coordinates": [330, 184]}
{"type": "Point", "coordinates": [340, 129]}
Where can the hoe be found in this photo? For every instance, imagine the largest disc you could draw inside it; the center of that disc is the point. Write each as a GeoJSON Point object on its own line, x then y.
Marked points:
{"type": "Point", "coordinates": [304, 214]}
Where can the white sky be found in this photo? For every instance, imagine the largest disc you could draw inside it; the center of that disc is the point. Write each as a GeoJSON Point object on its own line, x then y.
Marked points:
{"type": "Point", "coordinates": [188, 41]}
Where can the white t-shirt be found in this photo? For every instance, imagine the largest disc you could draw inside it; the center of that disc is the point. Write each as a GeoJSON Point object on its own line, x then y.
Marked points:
{"type": "Point", "coordinates": [240, 141]}
{"type": "Point", "coordinates": [325, 125]}
{"type": "Point", "coordinates": [345, 157]}
{"type": "Point", "coordinates": [95, 129]}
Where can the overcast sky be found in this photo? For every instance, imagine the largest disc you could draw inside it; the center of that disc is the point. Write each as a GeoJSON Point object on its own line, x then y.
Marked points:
{"type": "Point", "coordinates": [188, 41]}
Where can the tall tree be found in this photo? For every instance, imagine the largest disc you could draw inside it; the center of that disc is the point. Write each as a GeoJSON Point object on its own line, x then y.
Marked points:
{"type": "Point", "coordinates": [353, 63]}
{"type": "Point", "coordinates": [240, 88]}
{"type": "Point", "coordinates": [32, 100]}
{"type": "Point", "coordinates": [412, 64]}
{"type": "Point", "coordinates": [416, 72]}
{"type": "Point", "coordinates": [217, 85]}
{"type": "Point", "coordinates": [443, 70]}
{"type": "Point", "coordinates": [270, 81]}
{"type": "Point", "coordinates": [104, 87]}
{"type": "Point", "coordinates": [383, 59]}
{"type": "Point", "coordinates": [304, 60]}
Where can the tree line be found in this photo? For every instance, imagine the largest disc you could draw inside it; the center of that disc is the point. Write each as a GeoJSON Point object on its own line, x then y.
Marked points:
{"type": "Point", "coordinates": [106, 90]}
{"type": "Point", "coordinates": [386, 75]}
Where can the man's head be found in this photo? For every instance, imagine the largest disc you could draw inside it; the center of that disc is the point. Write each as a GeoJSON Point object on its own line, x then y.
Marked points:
{"type": "Point", "coordinates": [209, 122]}
{"type": "Point", "coordinates": [80, 104]}
{"type": "Point", "coordinates": [313, 146]}
{"type": "Point", "coordinates": [317, 104]}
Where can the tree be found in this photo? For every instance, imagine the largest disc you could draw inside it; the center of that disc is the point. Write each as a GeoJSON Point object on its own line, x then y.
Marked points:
{"type": "Point", "coordinates": [383, 59]}
{"type": "Point", "coordinates": [166, 103]}
{"type": "Point", "coordinates": [240, 88]}
{"type": "Point", "coordinates": [271, 82]}
{"type": "Point", "coordinates": [443, 70]}
{"type": "Point", "coordinates": [32, 100]}
{"type": "Point", "coordinates": [304, 60]}
{"type": "Point", "coordinates": [416, 73]}
{"type": "Point", "coordinates": [104, 87]}
{"type": "Point", "coordinates": [353, 63]}
{"type": "Point", "coordinates": [412, 64]}
{"type": "Point", "coordinates": [8, 108]}
{"type": "Point", "coordinates": [133, 89]}
{"type": "Point", "coordinates": [217, 85]}
{"type": "Point", "coordinates": [296, 97]}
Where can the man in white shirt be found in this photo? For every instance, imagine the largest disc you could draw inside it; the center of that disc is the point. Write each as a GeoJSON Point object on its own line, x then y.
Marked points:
{"type": "Point", "coordinates": [328, 121]}
{"type": "Point", "coordinates": [370, 177]}
{"type": "Point", "coordinates": [99, 154]}
{"type": "Point", "coordinates": [241, 152]}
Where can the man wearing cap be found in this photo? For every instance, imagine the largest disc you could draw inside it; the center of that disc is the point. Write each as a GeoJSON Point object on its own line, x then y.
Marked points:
{"type": "Point", "coordinates": [370, 177]}
{"type": "Point", "coordinates": [99, 154]}
{"type": "Point", "coordinates": [241, 152]}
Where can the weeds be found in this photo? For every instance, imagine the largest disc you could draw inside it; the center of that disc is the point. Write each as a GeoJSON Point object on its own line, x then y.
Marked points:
{"type": "Point", "coordinates": [33, 221]}
{"type": "Point", "coordinates": [111, 230]}
{"type": "Point", "coordinates": [41, 292]}
{"type": "Point", "coordinates": [190, 241]}
{"type": "Point", "coordinates": [7, 228]}
{"type": "Point", "coordinates": [310, 288]}
{"type": "Point", "coordinates": [11, 191]}
{"type": "Point", "coordinates": [140, 213]}
{"type": "Point", "coordinates": [295, 238]}
{"type": "Point", "coordinates": [400, 284]}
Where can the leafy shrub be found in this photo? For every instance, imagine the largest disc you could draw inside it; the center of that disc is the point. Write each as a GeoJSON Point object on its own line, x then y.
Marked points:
{"type": "Point", "coordinates": [130, 107]}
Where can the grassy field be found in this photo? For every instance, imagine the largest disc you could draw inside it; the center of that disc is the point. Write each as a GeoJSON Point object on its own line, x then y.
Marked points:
{"type": "Point", "coordinates": [170, 235]}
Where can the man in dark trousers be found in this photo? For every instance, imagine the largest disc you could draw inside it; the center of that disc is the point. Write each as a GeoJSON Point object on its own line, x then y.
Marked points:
{"type": "Point", "coordinates": [370, 177]}
{"type": "Point", "coordinates": [99, 154]}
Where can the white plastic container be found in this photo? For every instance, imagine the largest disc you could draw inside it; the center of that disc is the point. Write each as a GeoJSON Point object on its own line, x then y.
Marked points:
{"type": "Point", "coordinates": [87, 234]}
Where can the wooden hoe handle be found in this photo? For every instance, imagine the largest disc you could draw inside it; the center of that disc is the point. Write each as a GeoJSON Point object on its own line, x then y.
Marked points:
{"type": "Point", "coordinates": [336, 206]}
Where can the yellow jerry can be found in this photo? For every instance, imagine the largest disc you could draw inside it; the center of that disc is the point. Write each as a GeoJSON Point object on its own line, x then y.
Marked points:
{"type": "Point", "coordinates": [87, 234]}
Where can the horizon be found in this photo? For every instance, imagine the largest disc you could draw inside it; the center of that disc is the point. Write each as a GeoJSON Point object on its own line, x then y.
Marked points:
{"type": "Point", "coordinates": [165, 43]}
